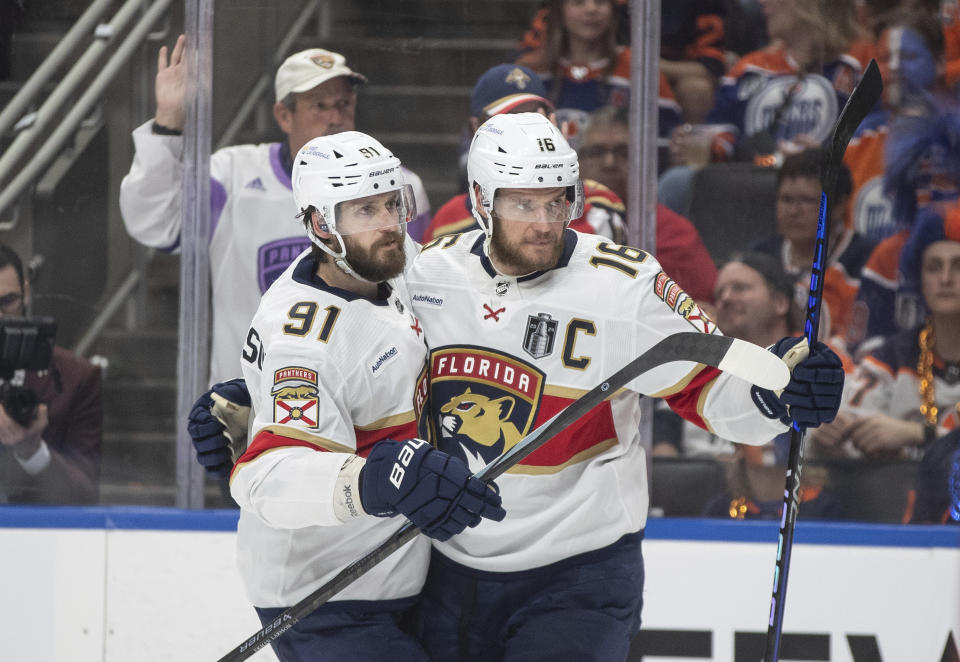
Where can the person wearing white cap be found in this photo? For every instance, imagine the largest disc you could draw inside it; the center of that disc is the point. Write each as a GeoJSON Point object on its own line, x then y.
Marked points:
{"type": "Point", "coordinates": [252, 240]}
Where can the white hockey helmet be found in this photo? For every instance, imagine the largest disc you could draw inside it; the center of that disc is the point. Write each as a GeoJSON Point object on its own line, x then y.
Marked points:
{"type": "Point", "coordinates": [521, 151]}
{"type": "Point", "coordinates": [331, 170]}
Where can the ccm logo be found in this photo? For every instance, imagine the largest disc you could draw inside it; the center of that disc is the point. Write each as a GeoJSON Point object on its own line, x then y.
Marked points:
{"type": "Point", "coordinates": [403, 460]}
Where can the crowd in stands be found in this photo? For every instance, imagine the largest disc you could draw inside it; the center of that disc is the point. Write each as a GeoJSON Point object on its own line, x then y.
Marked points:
{"type": "Point", "coordinates": [749, 84]}
{"type": "Point", "coordinates": [892, 284]}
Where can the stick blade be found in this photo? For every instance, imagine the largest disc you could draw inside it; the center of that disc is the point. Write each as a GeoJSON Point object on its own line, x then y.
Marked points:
{"type": "Point", "coordinates": [862, 100]}
{"type": "Point", "coordinates": [756, 365]}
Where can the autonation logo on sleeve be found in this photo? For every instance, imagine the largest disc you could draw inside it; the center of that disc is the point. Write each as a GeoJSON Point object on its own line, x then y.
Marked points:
{"type": "Point", "coordinates": [383, 359]}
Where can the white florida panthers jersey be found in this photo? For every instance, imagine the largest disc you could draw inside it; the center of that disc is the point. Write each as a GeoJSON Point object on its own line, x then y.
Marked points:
{"type": "Point", "coordinates": [330, 374]}
{"type": "Point", "coordinates": [508, 353]}
{"type": "Point", "coordinates": [253, 230]}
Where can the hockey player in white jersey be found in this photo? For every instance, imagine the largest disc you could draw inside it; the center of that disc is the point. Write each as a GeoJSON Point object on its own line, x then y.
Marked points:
{"type": "Point", "coordinates": [522, 317]}
{"type": "Point", "coordinates": [334, 362]}
{"type": "Point", "coordinates": [251, 239]}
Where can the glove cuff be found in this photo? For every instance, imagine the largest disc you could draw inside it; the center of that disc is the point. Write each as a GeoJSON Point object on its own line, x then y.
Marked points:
{"type": "Point", "coordinates": [346, 492]}
{"type": "Point", "coordinates": [769, 404]}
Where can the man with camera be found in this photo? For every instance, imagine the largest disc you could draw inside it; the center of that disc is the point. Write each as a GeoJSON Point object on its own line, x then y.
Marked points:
{"type": "Point", "coordinates": [50, 405]}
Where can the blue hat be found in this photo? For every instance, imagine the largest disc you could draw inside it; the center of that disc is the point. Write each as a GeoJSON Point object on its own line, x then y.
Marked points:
{"type": "Point", "coordinates": [505, 87]}
{"type": "Point", "coordinates": [930, 226]}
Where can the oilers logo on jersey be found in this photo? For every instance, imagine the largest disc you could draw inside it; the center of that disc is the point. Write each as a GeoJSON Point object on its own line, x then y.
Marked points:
{"type": "Point", "coordinates": [295, 397]}
{"type": "Point", "coordinates": [811, 111]}
{"type": "Point", "coordinates": [484, 401]}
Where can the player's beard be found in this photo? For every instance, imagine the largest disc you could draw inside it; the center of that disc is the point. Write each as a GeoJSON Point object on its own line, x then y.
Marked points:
{"type": "Point", "coordinates": [516, 260]}
{"type": "Point", "coordinates": [377, 262]}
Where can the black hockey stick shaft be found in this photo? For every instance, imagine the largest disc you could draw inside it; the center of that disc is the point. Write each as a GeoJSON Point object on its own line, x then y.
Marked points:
{"type": "Point", "coordinates": [861, 101]}
{"type": "Point", "coordinates": [737, 357]}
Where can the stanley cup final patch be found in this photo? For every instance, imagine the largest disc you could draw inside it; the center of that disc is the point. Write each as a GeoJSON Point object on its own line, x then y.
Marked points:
{"type": "Point", "coordinates": [295, 397]}
{"type": "Point", "coordinates": [540, 335]}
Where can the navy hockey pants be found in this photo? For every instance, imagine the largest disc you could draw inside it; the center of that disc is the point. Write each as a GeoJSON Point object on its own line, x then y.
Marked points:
{"type": "Point", "coordinates": [584, 608]}
{"type": "Point", "coordinates": [348, 630]}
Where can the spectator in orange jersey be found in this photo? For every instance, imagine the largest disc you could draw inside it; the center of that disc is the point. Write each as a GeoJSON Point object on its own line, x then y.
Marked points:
{"type": "Point", "coordinates": [786, 96]}
{"type": "Point", "coordinates": [904, 159]}
{"type": "Point", "coordinates": [780, 99]}
{"type": "Point", "coordinates": [692, 43]}
{"type": "Point", "coordinates": [797, 211]}
{"type": "Point", "coordinates": [583, 67]}
{"type": "Point", "coordinates": [905, 40]}
{"type": "Point", "coordinates": [906, 392]}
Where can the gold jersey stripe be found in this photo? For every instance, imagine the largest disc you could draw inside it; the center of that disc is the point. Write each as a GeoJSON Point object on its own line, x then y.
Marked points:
{"type": "Point", "coordinates": [531, 470]}
{"type": "Point", "coordinates": [389, 421]}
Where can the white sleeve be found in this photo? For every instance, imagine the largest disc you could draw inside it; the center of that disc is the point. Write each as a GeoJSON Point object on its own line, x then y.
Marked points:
{"type": "Point", "coordinates": [288, 475]}
{"type": "Point", "coordinates": [719, 401]}
{"type": "Point", "coordinates": [150, 192]}
{"type": "Point", "coordinates": [290, 488]}
{"type": "Point", "coordinates": [732, 414]}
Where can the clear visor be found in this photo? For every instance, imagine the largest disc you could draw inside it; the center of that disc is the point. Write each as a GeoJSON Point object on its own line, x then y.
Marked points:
{"type": "Point", "coordinates": [559, 205]}
{"type": "Point", "coordinates": [380, 211]}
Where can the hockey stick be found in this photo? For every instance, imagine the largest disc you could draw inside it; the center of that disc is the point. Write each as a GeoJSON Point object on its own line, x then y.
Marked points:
{"type": "Point", "coordinates": [861, 101]}
{"type": "Point", "coordinates": [736, 357]}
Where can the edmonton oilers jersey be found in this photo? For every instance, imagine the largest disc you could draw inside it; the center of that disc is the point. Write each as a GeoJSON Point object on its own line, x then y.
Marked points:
{"type": "Point", "coordinates": [764, 91]}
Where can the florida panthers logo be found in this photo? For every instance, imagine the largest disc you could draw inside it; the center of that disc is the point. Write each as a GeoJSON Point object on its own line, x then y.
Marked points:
{"type": "Point", "coordinates": [481, 419]}
{"type": "Point", "coordinates": [482, 402]}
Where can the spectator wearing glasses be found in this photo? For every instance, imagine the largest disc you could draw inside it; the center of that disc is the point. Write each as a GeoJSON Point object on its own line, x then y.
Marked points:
{"type": "Point", "coordinates": [604, 157]}
{"type": "Point", "coordinates": [797, 210]}
{"type": "Point", "coordinates": [50, 455]}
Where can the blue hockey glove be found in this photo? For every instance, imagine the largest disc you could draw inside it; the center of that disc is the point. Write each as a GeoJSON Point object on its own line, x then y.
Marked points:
{"type": "Point", "coordinates": [813, 395]}
{"type": "Point", "coordinates": [434, 490]}
{"type": "Point", "coordinates": [218, 426]}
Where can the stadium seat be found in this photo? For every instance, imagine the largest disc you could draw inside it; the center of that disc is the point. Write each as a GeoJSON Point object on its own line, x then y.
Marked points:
{"type": "Point", "coordinates": [680, 487]}
{"type": "Point", "coordinates": [732, 206]}
{"type": "Point", "coordinates": [872, 491]}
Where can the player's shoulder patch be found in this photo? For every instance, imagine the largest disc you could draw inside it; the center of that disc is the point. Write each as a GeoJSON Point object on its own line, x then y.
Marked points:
{"type": "Point", "coordinates": [668, 291]}
{"type": "Point", "coordinates": [296, 397]}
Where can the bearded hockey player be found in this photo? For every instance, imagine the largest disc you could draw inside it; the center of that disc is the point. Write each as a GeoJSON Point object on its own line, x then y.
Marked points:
{"type": "Point", "coordinates": [332, 360]}
{"type": "Point", "coordinates": [522, 317]}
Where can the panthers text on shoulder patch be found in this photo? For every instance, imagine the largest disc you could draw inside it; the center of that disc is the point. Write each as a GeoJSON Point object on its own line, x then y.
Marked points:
{"type": "Point", "coordinates": [295, 397]}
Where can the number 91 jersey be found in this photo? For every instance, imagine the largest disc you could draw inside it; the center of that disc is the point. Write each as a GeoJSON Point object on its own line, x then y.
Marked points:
{"type": "Point", "coordinates": [330, 374]}
{"type": "Point", "coordinates": [507, 353]}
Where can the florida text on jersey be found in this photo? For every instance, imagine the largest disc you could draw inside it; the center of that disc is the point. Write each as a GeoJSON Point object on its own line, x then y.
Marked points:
{"type": "Point", "coordinates": [507, 353]}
